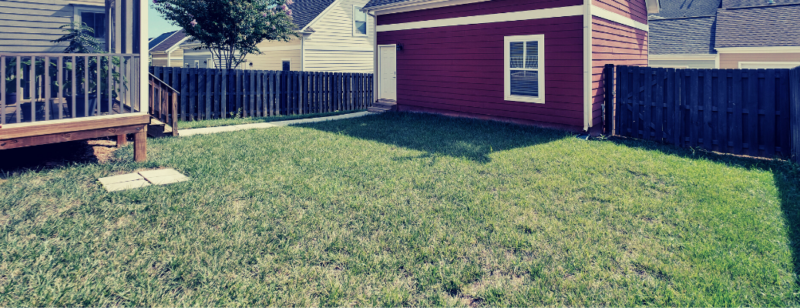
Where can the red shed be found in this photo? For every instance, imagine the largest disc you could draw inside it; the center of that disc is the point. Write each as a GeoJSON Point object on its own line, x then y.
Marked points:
{"type": "Point", "coordinates": [527, 61]}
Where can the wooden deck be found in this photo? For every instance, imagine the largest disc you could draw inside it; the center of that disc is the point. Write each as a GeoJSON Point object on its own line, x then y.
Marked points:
{"type": "Point", "coordinates": [39, 133]}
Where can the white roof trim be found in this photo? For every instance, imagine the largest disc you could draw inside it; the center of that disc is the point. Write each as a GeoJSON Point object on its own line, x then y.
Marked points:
{"type": "Point", "coordinates": [679, 56]}
{"type": "Point", "coordinates": [617, 18]}
{"type": "Point", "coordinates": [766, 49]}
{"type": "Point", "coordinates": [177, 45]}
{"type": "Point", "coordinates": [575, 10]}
{"type": "Point", "coordinates": [316, 19]}
{"type": "Point", "coordinates": [416, 5]}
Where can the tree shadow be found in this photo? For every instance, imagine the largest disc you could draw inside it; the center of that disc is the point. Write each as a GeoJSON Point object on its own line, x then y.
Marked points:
{"type": "Point", "coordinates": [785, 174]}
{"type": "Point", "coordinates": [441, 136]}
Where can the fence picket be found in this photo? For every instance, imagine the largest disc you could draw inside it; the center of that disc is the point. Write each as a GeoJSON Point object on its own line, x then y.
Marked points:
{"type": "Point", "coordinates": [722, 110]}
{"type": "Point", "coordinates": [752, 109]}
{"type": "Point", "coordinates": [768, 127]}
{"type": "Point", "coordinates": [737, 124]}
{"type": "Point", "coordinates": [706, 132]}
{"type": "Point", "coordinates": [783, 108]}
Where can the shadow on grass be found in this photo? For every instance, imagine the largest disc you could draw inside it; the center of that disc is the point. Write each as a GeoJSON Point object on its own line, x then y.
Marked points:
{"type": "Point", "coordinates": [42, 157]}
{"type": "Point", "coordinates": [441, 136]}
{"type": "Point", "coordinates": [785, 174]}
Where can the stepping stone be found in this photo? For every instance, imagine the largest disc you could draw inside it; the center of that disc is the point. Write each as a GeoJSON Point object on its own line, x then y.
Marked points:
{"type": "Point", "coordinates": [123, 182]}
{"type": "Point", "coordinates": [163, 176]}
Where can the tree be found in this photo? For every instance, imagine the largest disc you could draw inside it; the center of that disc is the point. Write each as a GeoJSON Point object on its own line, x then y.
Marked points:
{"type": "Point", "coordinates": [230, 29]}
{"type": "Point", "coordinates": [81, 39]}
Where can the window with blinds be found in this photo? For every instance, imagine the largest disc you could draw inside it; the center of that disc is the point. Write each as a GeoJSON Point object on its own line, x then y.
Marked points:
{"type": "Point", "coordinates": [524, 68]}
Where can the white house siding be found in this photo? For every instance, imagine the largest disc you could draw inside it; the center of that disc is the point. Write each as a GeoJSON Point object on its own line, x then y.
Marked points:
{"type": "Point", "coordinates": [333, 48]}
{"type": "Point", "coordinates": [274, 55]}
{"type": "Point", "coordinates": [30, 25]}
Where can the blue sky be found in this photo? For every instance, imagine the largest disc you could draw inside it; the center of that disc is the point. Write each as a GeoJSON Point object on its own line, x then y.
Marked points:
{"type": "Point", "coordinates": [157, 25]}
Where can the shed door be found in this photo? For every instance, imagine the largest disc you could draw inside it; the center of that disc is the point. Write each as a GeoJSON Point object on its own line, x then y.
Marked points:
{"type": "Point", "coordinates": [388, 72]}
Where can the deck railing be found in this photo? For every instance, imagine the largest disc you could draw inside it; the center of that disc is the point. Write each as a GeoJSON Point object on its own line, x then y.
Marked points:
{"type": "Point", "coordinates": [53, 86]}
{"type": "Point", "coordinates": [164, 103]}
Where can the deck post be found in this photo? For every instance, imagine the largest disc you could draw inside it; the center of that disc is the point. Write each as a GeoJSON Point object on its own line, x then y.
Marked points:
{"type": "Point", "coordinates": [140, 145]}
{"type": "Point", "coordinates": [122, 140]}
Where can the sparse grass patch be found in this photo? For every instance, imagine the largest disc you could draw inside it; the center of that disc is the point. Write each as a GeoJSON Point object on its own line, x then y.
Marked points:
{"type": "Point", "coordinates": [406, 210]}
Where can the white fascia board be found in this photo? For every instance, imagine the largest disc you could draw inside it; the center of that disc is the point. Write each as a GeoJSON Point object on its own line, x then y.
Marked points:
{"type": "Point", "coordinates": [684, 57]}
{"type": "Point", "coordinates": [575, 10]}
{"type": "Point", "coordinates": [617, 18]}
{"type": "Point", "coordinates": [321, 15]}
{"type": "Point", "coordinates": [771, 49]}
{"type": "Point", "coordinates": [409, 6]}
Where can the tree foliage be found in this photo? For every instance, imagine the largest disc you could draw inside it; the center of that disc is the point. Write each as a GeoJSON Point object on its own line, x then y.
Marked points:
{"type": "Point", "coordinates": [80, 38]}
{"type": "Point", "coordinates": [230, 29]}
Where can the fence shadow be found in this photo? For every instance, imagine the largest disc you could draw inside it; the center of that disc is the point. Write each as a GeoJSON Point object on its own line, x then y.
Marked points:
{"type": "Point", "coordinates": [785, 174]}
{"type": "Point", "coordinates": [441, 136]}
{"type": "Point", "coordinates": [46, 156]}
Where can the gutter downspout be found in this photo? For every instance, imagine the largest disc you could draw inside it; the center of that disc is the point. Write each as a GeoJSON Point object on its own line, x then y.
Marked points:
{"type": "Point", "coordinates": [587, 65]}
{"type": "Point", "coordinates": [376, 95]}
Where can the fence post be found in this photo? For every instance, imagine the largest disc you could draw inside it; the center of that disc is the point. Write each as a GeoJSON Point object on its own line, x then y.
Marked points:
{"type": "Point", "coordinates": [608, 73]}
{"type": "Point", "coordinates": [794, 89]}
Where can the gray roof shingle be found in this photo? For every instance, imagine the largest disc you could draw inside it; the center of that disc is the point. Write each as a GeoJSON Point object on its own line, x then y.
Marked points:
{"type": "Point", "coordinates": [746, 3]}
{"type": "Point", "coordinates": [758, 26]}
{"type": "Point", "coordinates": [687, 8]}
{"type": "Point", "coordinates": [304, 11]}
{"type": "Point", "coordinates": [169, 41]}
{"type": "Point", "coordinates": [382, 2]}
{"type": "Point", "coordinates": [154, 42]}
{"type": "Point", "coordinates": [682, 36]}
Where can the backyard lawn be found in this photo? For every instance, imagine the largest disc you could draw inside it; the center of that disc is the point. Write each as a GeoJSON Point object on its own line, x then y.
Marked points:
{"type": "Point", "coordinates": [405, 210]}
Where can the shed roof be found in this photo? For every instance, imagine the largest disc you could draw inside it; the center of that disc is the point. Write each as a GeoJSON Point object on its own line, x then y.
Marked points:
{"type": "Point", "coordinates": [763, 26]}
{"type": "Point", "coordinates": [693, 35]}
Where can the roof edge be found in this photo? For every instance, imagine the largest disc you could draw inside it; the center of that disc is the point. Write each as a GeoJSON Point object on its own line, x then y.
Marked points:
{"type": "Point", "coordinates": [319, 16]}
{"type": "Point", "coordinates": [415, 5]}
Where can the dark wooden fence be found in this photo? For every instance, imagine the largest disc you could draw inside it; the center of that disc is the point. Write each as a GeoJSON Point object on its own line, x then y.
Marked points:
{"type": "Point", "coordinates": [214, 94]}
{"type": "Point", "coordinates": [739, 111]}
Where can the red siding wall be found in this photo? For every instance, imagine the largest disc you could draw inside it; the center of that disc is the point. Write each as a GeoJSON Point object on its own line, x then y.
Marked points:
{"type": "Point", "coordinates": [459, 69]}
{"type": "Point", "coordinates": [480, 8]}
{"type": "Point", "coordinates": [633, 9]}
{"type": "Point", "coordinates": [617, 44]}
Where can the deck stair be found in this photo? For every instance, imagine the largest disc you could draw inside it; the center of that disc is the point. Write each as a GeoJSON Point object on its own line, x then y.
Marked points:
{"type": "Point", "coordinates": [163, 109]}
{"type": "Point", "coordinates": [383, 105]}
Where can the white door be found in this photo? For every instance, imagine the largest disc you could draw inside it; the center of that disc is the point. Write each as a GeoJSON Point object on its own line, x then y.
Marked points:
{"type": "Point", "coordinates": [388, 72]}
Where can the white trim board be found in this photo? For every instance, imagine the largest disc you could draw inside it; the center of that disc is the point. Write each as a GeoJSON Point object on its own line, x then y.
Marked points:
{"type": "Point", "coordinates": [617, 18]}
{"type": "Point", "coordinates": [767, 63]}
{"type": "Point", "coordinates": [575, 10]}
{"type": "Point", "coordinates": [409, 6]}
{"type": "Point", "coordinates": [772, 49]}
{"type": "Point", "coordinates": [684, 57]}
{"type": "Point", "coordinates": [587, 63]}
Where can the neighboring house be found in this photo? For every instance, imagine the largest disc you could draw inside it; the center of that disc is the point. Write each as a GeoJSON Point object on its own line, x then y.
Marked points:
{"type": "Point", "coordinates": [528, 61]}
{"type": "Point", "coordinates": [726, 34]}
{"type": "Point", "coordinates": [30, 25]}
{"type": "Point", "coordinates": [335, 36]}
{"type": "Point", "coordinates": [165, 49]}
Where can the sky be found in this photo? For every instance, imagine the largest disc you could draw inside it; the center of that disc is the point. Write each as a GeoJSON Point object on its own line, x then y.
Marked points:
{"type": "Point", "coordinates": [157, 24]}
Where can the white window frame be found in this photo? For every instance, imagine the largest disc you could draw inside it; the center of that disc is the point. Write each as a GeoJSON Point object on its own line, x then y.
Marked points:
{"type": "Point", "coordinates": [507, 68]}
{"type": "Point", "coordinates": [77, 9]}
{"type": "Point", "coordinates": [353, 23]}
{"type": "Point", "coordinates": [796, 64]}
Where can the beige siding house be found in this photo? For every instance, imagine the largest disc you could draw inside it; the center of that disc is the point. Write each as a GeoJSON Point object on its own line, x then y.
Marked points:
{"type": "Point", "coordinates": [165, 49]}
{"type": "Point", "coordinates": [335, 36]}
{"type": "Point", "coordinates": [30, 25]}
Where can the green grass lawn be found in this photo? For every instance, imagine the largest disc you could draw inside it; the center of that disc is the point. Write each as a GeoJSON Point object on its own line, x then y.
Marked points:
{"type": "Point", "coordinates": [406, 210]}
{"type": "Point", "coordinates": [240, 120]}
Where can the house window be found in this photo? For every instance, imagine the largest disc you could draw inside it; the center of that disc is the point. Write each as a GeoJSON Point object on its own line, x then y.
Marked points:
{"type": "Point", "coordinates": [359, 22]}
{"type": "Point", "coordinates": [92, 16]}
{"type": "Point", "coordinates": [524, 68]}
{"type": "Point", "coordinates": [287, 66]}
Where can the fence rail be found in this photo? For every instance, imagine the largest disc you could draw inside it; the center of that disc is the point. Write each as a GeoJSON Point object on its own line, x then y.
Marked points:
{"type": "Point", "coordinates": [740, 111]}
{"type": "Point", "coordinates": [213, 94]}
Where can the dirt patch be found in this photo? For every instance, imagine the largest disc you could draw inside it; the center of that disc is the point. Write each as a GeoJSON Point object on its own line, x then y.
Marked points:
{"type": "Point", "coordinates": [57, 155]}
